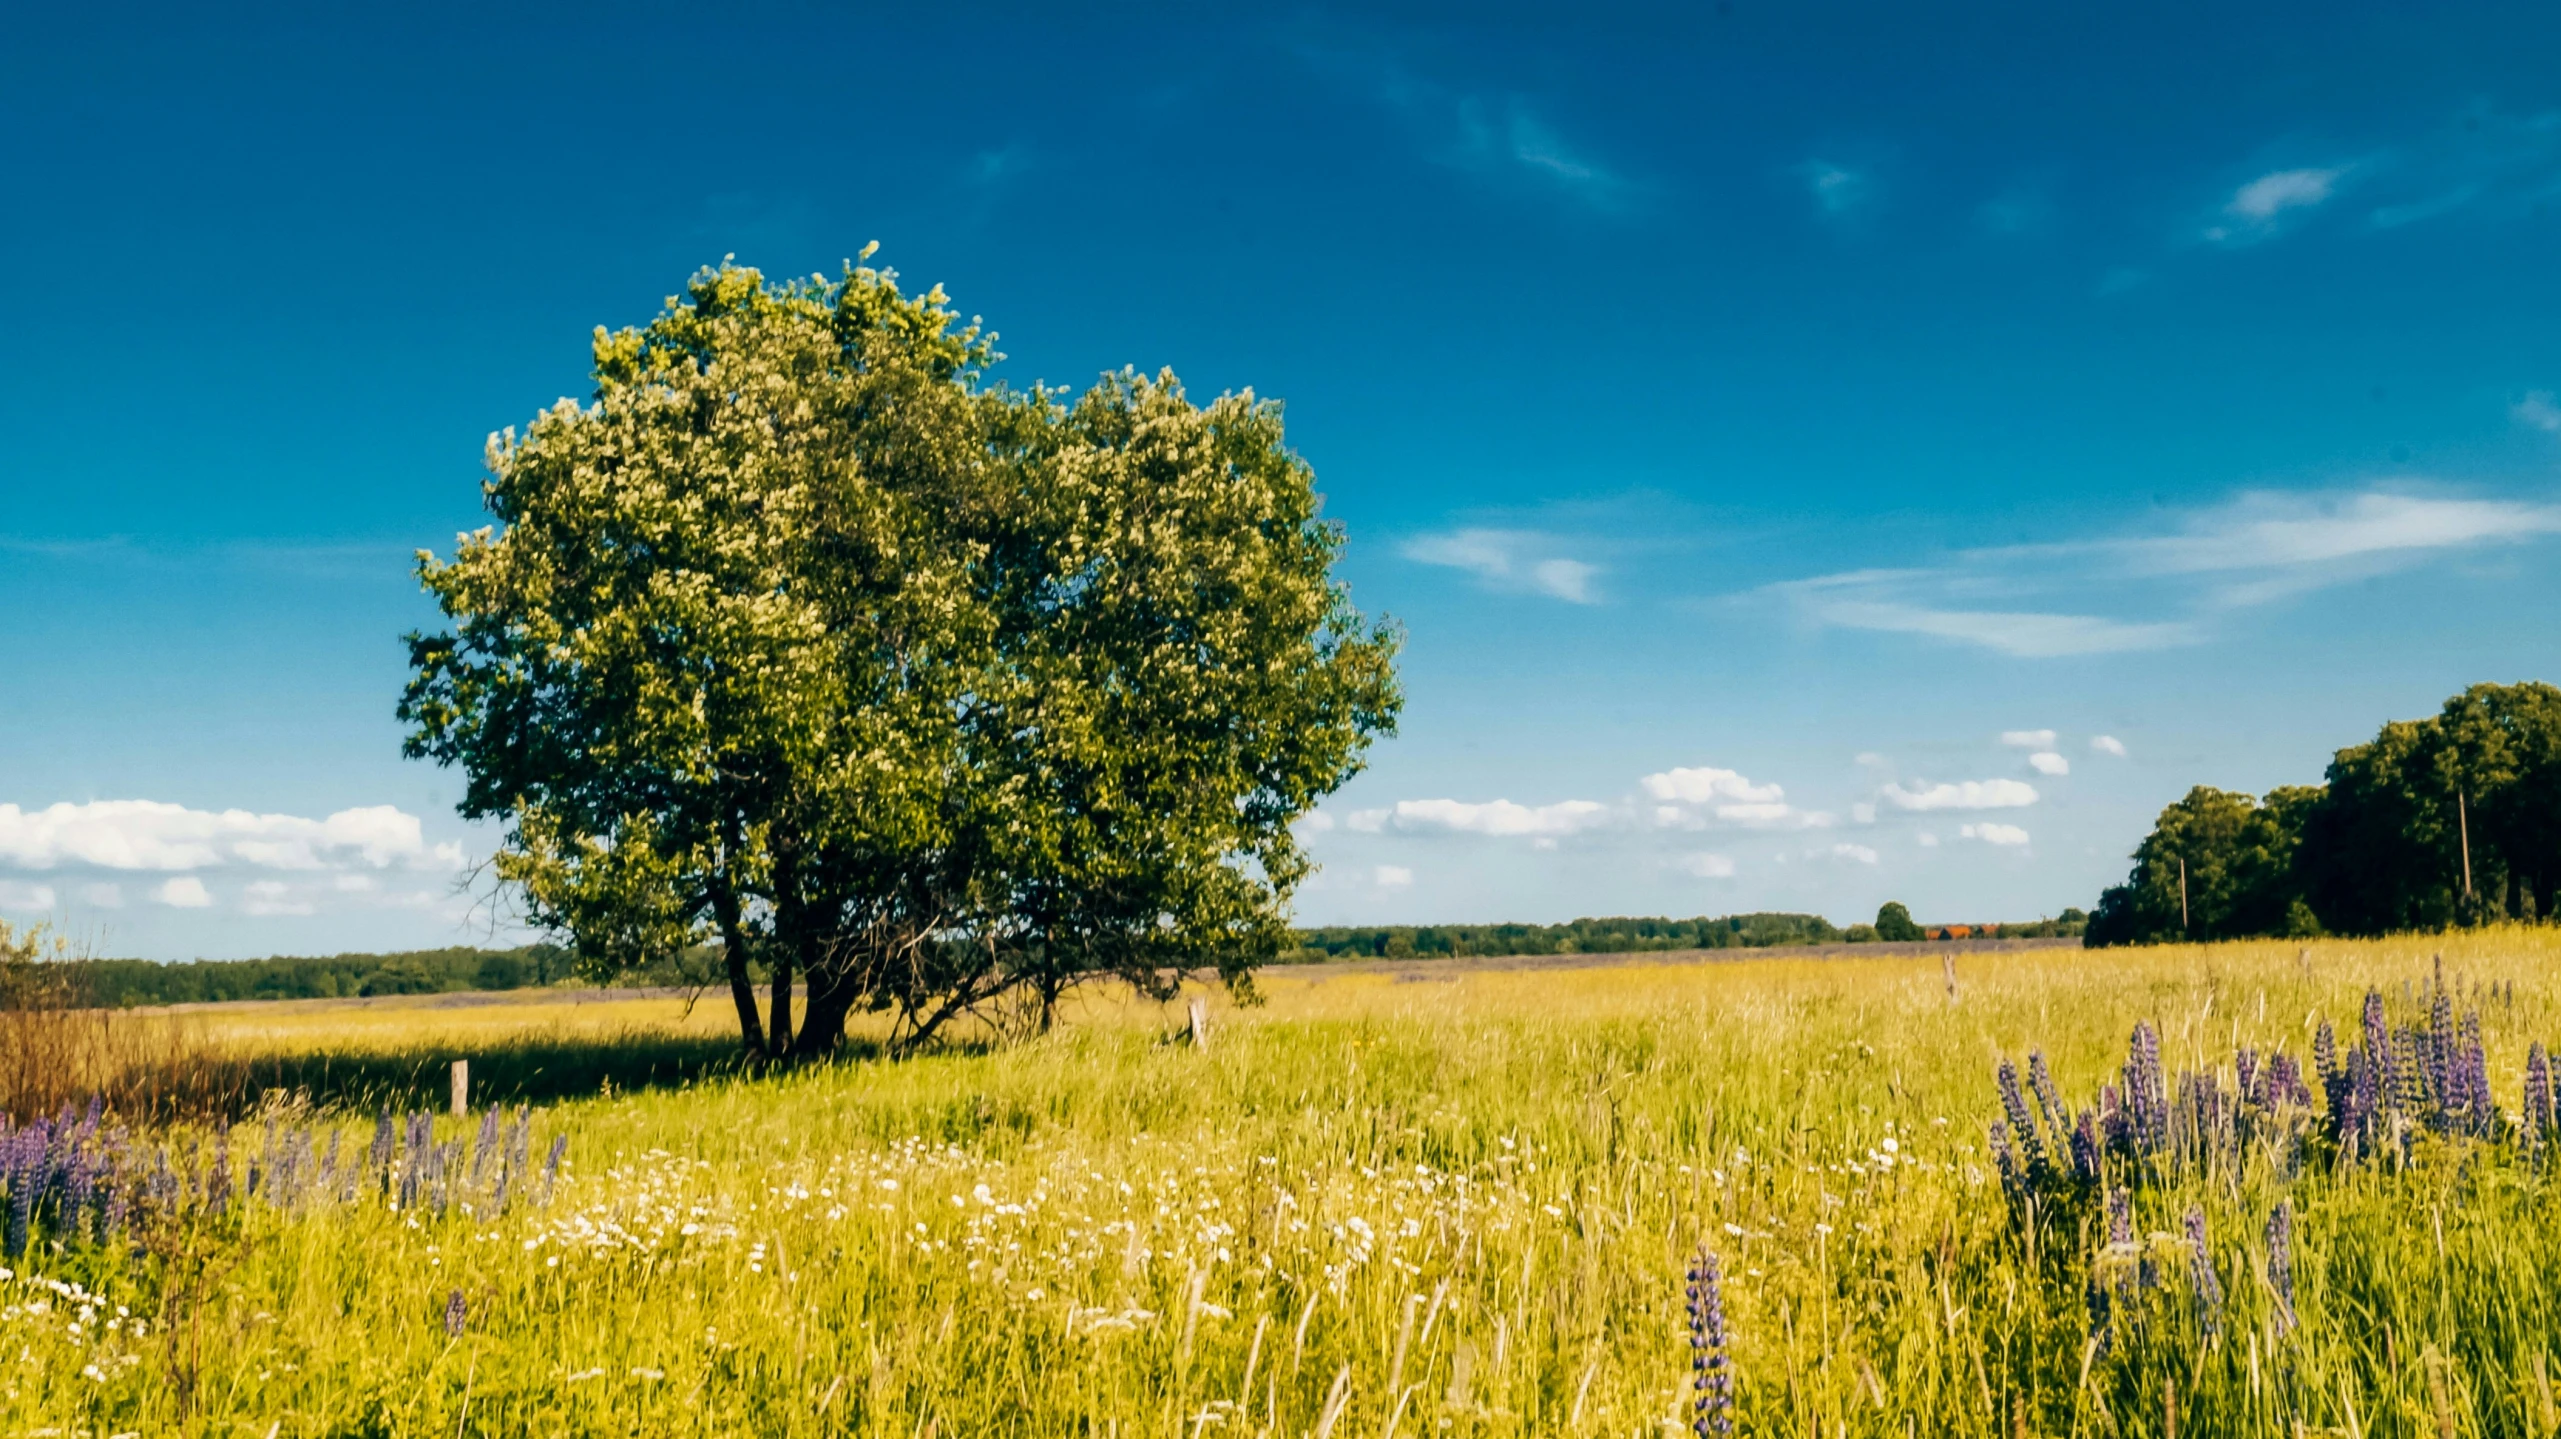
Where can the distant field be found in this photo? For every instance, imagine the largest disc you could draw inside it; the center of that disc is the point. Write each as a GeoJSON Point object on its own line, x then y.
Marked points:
{"type": "Point", "coordinates": [1375, 1206]}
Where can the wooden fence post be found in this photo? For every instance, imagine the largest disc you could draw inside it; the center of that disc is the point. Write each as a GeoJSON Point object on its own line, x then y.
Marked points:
{"type": "Point", "coordinates": [1947, 966]}
{"type": "Point", "coordinates": [462, 1087]}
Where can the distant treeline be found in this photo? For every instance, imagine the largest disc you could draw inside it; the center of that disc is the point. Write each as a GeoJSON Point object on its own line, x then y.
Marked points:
{"type": "Point", "coordinates": [127, 983]}
{"type": "Point", "coordinates": [123, 983]}
{"type": "Point", "coordinates": [2453, 819]}
{"type": "Point", "coordinates": [1633, 936]}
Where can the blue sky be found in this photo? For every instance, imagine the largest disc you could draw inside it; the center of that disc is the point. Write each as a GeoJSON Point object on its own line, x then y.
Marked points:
{"type": "Point", "coordinates": [1821, 454]}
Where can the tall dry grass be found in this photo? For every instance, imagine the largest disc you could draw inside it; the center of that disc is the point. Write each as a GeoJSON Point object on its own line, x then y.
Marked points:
{"type": "Point", "coordinates": [148, 1068]}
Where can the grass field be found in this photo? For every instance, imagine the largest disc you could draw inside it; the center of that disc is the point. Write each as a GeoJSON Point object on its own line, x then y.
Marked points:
{"type": "Point", "coordinates": [1411, 1203]}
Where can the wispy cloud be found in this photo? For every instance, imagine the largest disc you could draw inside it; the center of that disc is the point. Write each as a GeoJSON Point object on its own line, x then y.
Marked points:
{"type": "Point", "coordinates": [2271, 195]}
{"type": "Point", "coordinates": [2027, 634]}
{"type": "Point", "coordinates": [1525, 561]}
{"type": "Point", "coordinates": [2479, 161]}
{"type": "Point", "coordinates": [2028, 738]}
{"type": "Point", "coordinates": [2255, 550]}
{"type": "Point", "coordinates": [2271, 203]}
{"type": "Point", "coordinates": [1707, 866]}
{"type": "Point", "coordinates": [1996, 834]}
{"type": "Point", "coordinates": [2537, 411]}
{"type": "Point", "coordinates": [1500, 138]}
{"type": "Point", "coordinates": [2108, 744]}
{"type": "Point", "coordinates": [2015, 211]}
{"type": "Point", "coordinates": [1838, 190]}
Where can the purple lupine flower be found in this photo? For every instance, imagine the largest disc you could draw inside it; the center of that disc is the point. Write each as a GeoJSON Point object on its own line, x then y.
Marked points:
{"type": "Point", "coordinates": [2085, 1149]}
{"type": "Point", "coordinates": [2378, 1044]}
{"type": "Point", "coordinates": [218, 1183]}
{"type": "Point", "coordinates": [2364, 1099]}
{"type": "Point", "coordinates": [2209, 1287]}
{"type": "Point", "coordinates": [328, 1177]}
{"type": "Point", "coordinates": [26, 1143]}
{"type": "Point", "coordinates": [2538, 1097]}
{"type": "Point", "coordinates": [2245, 1067]}
{"type": "Point", "coordinates": [378, 1158]}
{"type": "Point", "coordinates": [454, 1315]}
{"type": "Point", "coordinates": [2102, 1307]}
{"type": "Point", "coordinates": [2031, 1143]}
{"type": "Point", "coordinates": [2120, 1216]}
{"type": "Point", "coordinates": [2281, 1262]}
{"type": "Point", "coordinates": [2144, 1088]}
{"type": "Point", "coordinates": [2285, 1081]}
{"type": "Point", "coordinates": [78, 1180]}
{"type": "Point", "coordinates": [551, 1166]}
{"type": "Point", "coordinates": [2113, 1126]}
{"type": "Point", "coordinates": [2049, 1100]}
{"type": "Point", "coordinates": [2444, 1083]}
{"type": "Point", "coordinates": [2325, 1063]}
{"type": "Point", "coordinates": [2410, 1066]}
{"type": "Point", "coordinates": [2013, 1184]}
{"type": "Point", "coordinates": [486, 1149]}
{"type": "Point", "coordinates": [1710, 1367]}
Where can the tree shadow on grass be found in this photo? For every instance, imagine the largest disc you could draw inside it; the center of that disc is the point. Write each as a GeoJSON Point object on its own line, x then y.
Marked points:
{"type": "Point", "coordinates": [528, 1069]}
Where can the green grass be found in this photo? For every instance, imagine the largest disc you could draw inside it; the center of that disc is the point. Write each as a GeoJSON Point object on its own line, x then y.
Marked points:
{"type": "Point", "coordinates": [1457, 1207]}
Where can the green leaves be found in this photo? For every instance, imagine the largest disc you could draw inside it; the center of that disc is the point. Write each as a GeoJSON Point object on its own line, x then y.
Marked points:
{"type": "Point", "coordinates": [2432, 822]}
{"type": "Point", "coordinates": [803, 637]}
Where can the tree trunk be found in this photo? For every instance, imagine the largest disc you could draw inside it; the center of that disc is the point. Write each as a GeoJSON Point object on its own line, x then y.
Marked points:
{"type": "Point", "coordinates": [733, 942]}
{"type": "Point", "coordinates": [780, 1043]}
{"type": "Point", "coordinates": [822, 1024]}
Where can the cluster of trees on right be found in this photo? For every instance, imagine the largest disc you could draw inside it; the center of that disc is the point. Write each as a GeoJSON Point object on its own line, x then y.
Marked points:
{"type": "Point", "coordinates": [2454, 819]}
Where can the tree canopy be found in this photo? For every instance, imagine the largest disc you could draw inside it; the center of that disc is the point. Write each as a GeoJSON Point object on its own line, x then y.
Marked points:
{"type": "Point", "coordinates": [806, 639]}
{"type": "Point", "coordinates": [2434, 821]}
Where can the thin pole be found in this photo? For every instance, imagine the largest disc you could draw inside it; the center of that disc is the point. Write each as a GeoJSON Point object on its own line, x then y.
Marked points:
{"type": "Point", "coordinates": [2463, 827]}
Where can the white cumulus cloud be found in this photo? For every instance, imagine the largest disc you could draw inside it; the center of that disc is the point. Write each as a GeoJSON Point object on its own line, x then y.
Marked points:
{"type": "Point", "coordinates": [184, 892]}
{"type": "Point", "coordinates": [2000, 834]}
{"type": "Point", "coordinates": [16, 894]}
{"type": "Point", "coordinates": [1691, 798]}
{"type": "Point", "coordinates": [2108, 744]}
{"type": "Point", "coordinates": [1856, 853]}
{"type": "Point", "coordinates": [1708, 866]}
{"type": "Point", "coordinates": [140, 834]}
{"type": "Point", "coordinates": [1500, 817]}
{"type": "Point", "coordinates": [1393, 876]}
{"type": "Point", "coordinates": [1966, 794]}
{"type": "Point", "coordinates": [1708, 785]}
{"type": "Point", "coordinates": [2028, 738]}
{"type": "Point", "coordinates": [2048, 762]}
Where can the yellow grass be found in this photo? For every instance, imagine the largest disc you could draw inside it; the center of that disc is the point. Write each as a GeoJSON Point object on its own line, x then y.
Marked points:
{"type": "Point", "coordinates": [1448, 1202]}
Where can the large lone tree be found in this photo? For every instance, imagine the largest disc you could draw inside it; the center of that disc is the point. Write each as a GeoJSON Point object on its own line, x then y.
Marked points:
{"type": "Point", "coordinates": [807, 642]}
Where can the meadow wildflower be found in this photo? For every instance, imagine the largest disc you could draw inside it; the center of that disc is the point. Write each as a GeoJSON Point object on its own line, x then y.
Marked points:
{"type": "Point", "coordinates": [1712, 1411]}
